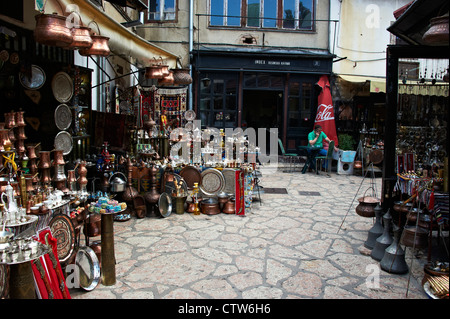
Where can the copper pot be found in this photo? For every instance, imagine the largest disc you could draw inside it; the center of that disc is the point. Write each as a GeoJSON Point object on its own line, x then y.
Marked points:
{"type": "Point", "coordinates": [58, 158]}
{"type": "Point", "coordinates": [366, 206]}
{"type": "Point", "coordinates": [44, 160]}
{"type": "Point", "coordinates": [93, 225]}
{"type": "Point", "coordinates": [437, 34]}
{"type": "Point", "coordinates": [99, 47]}
{"type": "Point", "coordinates": [167, 80]}
{"type": "Point", "coordinates": [165, 70]}
{"type": "Point", "coordinates": [423, 221]}
{"type": "Point", "coordinates": [10, 120]}
{"type": "Point", "coordinates": [29, 183]}
{"type": "Point", "coordinates": [413, 236]}
{"type": "Point", "coordinates": [210, 206]}
{"type": "Point", "coordinates": [5, 142]}
{"type": "Point", "coordinates": [153, 72]}
{"type": "Point", "coordinates": [18, 117]}
{"type": "Point", "coordinates": [45, 176]}
{"type": "Point", "coordinates": [31, 152]}
{"type": "Point", "coordinates": [229, 207]}
{"type": "Point", "coordinates": [20, 147]}
{"type": "Point", "coordinates": [357, 164]}
{"type": "Point", "coordinates": [51, 30]}
{"type": "Point", "coordinates": [21, 133]}
{"type": "Point", "coordinates": [223, 199]}
{"type": "Point", "coordinates": [81, 38]}
{"type": "Point", "coordinates": [181, 76]}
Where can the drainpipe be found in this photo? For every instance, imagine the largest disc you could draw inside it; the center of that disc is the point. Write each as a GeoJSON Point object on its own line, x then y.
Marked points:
{"type": "Point", "coordinates": [191, 47]}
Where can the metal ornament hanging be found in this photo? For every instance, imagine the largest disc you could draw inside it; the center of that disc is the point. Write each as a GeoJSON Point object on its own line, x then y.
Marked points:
{"type": "Point", "coordinates": [385, 240]}
{"type": "Point", "coordinates": [394, 256]}
{"type": "Point", "coordinates": [376, 230]}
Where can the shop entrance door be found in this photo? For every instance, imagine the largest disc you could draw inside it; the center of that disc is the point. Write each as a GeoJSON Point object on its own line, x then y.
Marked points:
{"type": "Point", "coordinates": [262, 109]}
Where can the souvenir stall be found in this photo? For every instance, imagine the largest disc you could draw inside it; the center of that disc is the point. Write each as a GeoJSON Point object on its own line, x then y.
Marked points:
{"type": "Point", "coordinates": [415, 172]}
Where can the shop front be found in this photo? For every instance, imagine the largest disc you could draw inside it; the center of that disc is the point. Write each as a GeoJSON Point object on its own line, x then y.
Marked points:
{"type": "Point", "coordinates": [260, 90]}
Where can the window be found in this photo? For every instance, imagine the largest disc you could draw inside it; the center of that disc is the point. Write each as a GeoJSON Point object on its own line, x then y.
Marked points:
{"type": "Point", "coordinates": [162, 10]}
{"type": "Point", "coordinates": [225, 12]}
{"type": "Point", "coordinates": [283, 14]}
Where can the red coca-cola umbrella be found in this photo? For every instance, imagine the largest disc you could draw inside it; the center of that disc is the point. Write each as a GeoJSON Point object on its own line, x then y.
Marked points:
{"type": "Point", "coordinates": [325, 110]}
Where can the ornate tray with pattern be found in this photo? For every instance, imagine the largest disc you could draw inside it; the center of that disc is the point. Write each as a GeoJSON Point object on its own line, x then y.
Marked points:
{"type": "Point", "coordinates": [63, 230]}
{"type": "Point", "coordinates": [191, 175]}
{"type": "Point", "coordinates": [37, 79]}
{"type": "Point", "coordinates": [213, 182]}
{"type": "Point", "coordinates": [64, 142]}
{"type": "Point", "coordinates": [230, 180]}
{"type": "Point", "coordinates": [63, 117]}
{"type": "Point", "coordinates": [62, 87]}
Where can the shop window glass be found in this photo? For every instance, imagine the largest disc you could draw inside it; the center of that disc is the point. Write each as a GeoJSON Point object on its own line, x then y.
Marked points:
{"type": "Point", "coordinates": [234, 13]}
{"type": "Point", "coordinates": [253, 12]}
{"type": "Point", "coordinates": [270, 14]}
{"type": "Point", "coordinates": [250, 80]}
{"type": "Point", "coordinates": [218, 102]}
{"type": "Point", "coordinates": [276, 81]}
{"type": "Point", "coordinates": [230, 103]}
{"type": "Point", "coordinates": [225, 12]}
{"type": "Point", "coordinates": [217, 12]}
{"type": "Point", "coordinates": [305, 14]}
{"type": "Point", "coordinates": [289, 14]}
{"type": "Point", "coordinates": [263, 80]}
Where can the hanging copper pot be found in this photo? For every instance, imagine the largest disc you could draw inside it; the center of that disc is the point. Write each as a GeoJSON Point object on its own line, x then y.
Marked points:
{"type": "Point", "coordinates": [437, 34]}
{"type": "Point", "coordinates": [99, 46]}
{"type": "Point", "coordinates": [31, 152]}
{"type": "Point", "coordinates": [413, 236]}
{"type": "Point", "coordinates": [181, 76]}
{"type": "Point", "coordinates": [167, 80]}
{"type": "Point", "coordinates": [81, 38]}
{"type": "Point", "coordinates": [153, 72]}
{"type": "Point", "coordinates": [51, 30]}
{"type": "Point", "coordinates": [165, 70]}
{"type": "Point", "coordinates": [367, 204]}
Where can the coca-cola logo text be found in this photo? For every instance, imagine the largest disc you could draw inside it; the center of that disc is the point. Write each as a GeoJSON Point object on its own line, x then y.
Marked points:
{"type": "Point", "coordinates": [324, 113]}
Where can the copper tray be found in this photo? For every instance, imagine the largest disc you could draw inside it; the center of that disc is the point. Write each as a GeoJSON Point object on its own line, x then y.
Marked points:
{"type": "Point", "coordinates": [63, 117]}
{"type": "Point", "coordinates": [191, 175]}
{"type": "Point", "coordinates": [63, 230]}
{"type": "Point", "coordinates": [62, 87]}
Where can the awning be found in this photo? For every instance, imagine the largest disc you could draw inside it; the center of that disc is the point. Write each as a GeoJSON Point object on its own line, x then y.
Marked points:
{"type": "Point", "coordinates": [122, 41]}
{"type": "Point", "coordinates": [375, 85]}
{"type": "Point", "coordinates": [349, 86]}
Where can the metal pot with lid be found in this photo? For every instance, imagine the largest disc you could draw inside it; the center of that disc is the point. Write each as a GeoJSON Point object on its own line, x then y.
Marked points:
{"type": "Point", "coordinates": [117, 183]}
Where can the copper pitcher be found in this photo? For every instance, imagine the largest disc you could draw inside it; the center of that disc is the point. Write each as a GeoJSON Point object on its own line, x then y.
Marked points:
{"type": "Point", "coordinates": [153, 72]}
{"type": "Point", "coordinates": [81, 37]}
{"type": "Point", "coordinates": [5, 142]}
{"type": "Point", "coordinates": [18, 117]}
{"type": "Point", "coordinates": [51, 30]}
{"type": "Point", "coordinates": [20, 147]}
{"type": "Point", "coordinates": [44, 160]}
{"type": "Point", "coordinates": [45, 176]}
{"type": "Point", "coordinates": [10, 121]}
{"type": "Point", "coordinates": [21, 133]}
{"type": "Point", "coordinates": [11, 135]}
{"type": "Point", "coordinates": [58, 158]}
{"type": "Point", "coordinates": [31, 152]}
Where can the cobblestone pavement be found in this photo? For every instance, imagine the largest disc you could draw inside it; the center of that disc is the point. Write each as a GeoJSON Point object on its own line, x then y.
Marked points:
{"type": "Point", "coordinates": [287, 247]}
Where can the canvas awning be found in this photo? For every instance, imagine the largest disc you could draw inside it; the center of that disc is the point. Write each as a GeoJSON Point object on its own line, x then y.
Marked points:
{"type": "Point", "coordinates": [375, 84]}
{"type": "Point", "coordinates": [122, 41]}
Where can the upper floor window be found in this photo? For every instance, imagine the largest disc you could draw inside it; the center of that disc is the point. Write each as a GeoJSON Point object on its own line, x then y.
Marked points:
{"type": "Point", "coordinates": [278, 14]}
{"type": "Point", "coordinates": [162, 10]}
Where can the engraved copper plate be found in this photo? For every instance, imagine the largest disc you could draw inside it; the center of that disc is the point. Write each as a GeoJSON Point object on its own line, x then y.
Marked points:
{"type": "Point", "coordinates": [62, 87]}
{"type": "Point", "coordinates": [213, 182]}
{"type": "Point", "coordinates": [230, 180]}
{"type": "Point", "coordinates": [64, 142]}
{"type": "Point", "coordinates": [36, 81]}
{"type": "Point", "coordinates": [63, 117]}
{"type": "Point", "coordinates": [63, 230]}
{"type": "Point", "coordinates": [191, 175]}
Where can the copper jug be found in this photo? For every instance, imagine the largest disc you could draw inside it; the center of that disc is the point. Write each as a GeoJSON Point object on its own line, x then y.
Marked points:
{"type": "Point", "coordinates": [5, 142]}
{"type": "Point", "coordinates": [51, 30]}
{"type": "Point", "coordinates": [45, 176]}
{"type": "Point", "coordinates": [130, 192]}
{"type": "Point", "coordinates": [152, 196]}
{"type": "Point", "coordinates": [71, 180]}
{"type": "Point", "coordinates": [21, 133]}
{"type": "Point", "coordinates": [58, 158]}
{"type": "Point", "coordinates": [165, 70]}
{"type": "Point", "coordinates": [44, 160]}
{"type": "Point", "coordinates": [10, 121]}
{"type": "Point", "coordinates": [11, 135]}
{"type": "Point", "coordinates": [20, 147]}
{"type": "Point", "coordinates": [19, 118]}
{"type": "Point", "coordinates": [99, 47]}
{"type": "Point", "coordinates": [31, 152]}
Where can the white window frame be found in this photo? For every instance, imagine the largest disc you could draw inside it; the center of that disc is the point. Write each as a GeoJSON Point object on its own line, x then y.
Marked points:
{"type": "Point", "coordinates": [162, 15]}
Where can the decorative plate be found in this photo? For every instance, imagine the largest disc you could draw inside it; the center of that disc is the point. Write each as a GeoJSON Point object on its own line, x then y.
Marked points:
{"type": "Point", "coordinates": [89, 268]}
{"type": "Point", "coordinates": [63, 141]}
{"type": "Point", "coordinates": [37, 78]}
{"type": "Point", "coordinates": [191, 175]}
{"type": "Point", "coordinates": [165, 205]}
{"type": "Point", "coordinates": [62, 87]}
{"type": "Point", "coordinates": [63, 117]}
{"type": "Point", "coordinates": [189, 115]}
{"type": "Point", "coordinates": [63, 230]}
{"type": "Point", "coordinates": [213, 182]}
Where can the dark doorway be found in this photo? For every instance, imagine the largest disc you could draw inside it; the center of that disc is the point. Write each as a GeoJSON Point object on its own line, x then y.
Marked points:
{"type": "Point", "coordinates": [262, 109]}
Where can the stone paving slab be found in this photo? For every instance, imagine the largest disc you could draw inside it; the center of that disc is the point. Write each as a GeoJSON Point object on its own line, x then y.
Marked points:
{"type": "Point", "coordinates": [289, 246]}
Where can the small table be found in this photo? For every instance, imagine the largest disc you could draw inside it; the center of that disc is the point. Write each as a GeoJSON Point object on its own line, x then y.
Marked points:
{"type": "Point", "coordinates": [311, 153]}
